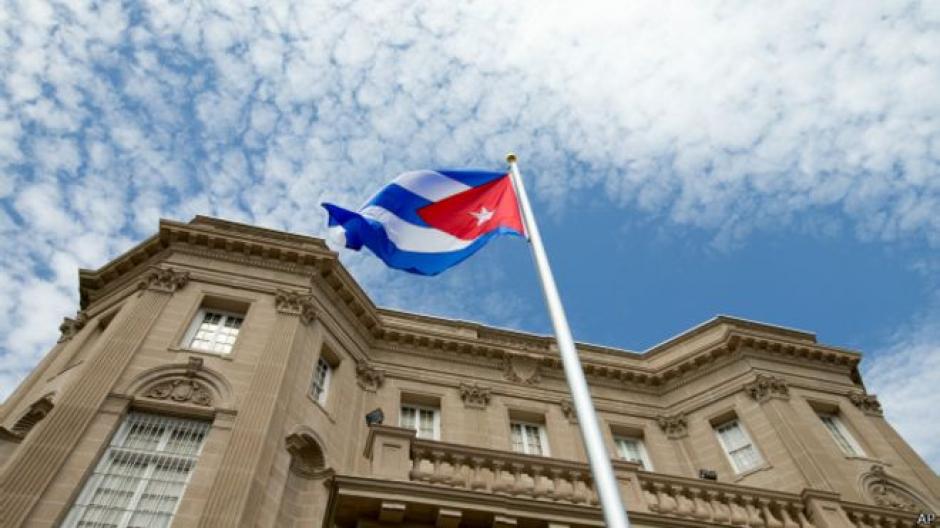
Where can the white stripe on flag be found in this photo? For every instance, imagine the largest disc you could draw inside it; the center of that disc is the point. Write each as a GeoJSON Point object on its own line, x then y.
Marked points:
{"type": "Point", "coordinates": [409, 237]}
{"type": "Point", "coordinates": [430, 185]}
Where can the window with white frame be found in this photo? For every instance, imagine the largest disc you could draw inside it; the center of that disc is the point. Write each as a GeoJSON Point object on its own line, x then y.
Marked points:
{"type": "Point", "coordinates": [425, 420]}
{"type": "Point", "coordinates": [214, 330]}
{"type": "Point", "coordinates": [841, 435]}
{"type": "Point", "coordinates": [529, 438]}
{"type": "Point", "coordinates": [140, 479]}
{"type": "Point", "coordinates": [632, 449]}
{"type": "Point", "coordinates": [738, 446]}
{"type": "Point", "coordinates": [321, 380]}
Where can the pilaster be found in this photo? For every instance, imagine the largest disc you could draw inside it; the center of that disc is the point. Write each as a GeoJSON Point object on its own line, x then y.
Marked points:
{"type": "Point", "coordinates": [241, 481]}
{"type": "Point", "coordinates": [46, 448]}
{"type": "Point", "coordinates": [773, 394]}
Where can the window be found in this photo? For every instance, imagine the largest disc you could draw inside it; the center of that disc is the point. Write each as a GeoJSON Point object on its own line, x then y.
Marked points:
{"type": "Point", "coordinates": [425, 420]}
{"type": "Point", "coordinates": [841, 435]}
{"type": "Point", "coordinates": [633, 450]}
{"type": "Point", "coordinates": [738, 445]}
{"type": "Point", "coordinates": [528, 438]}
{"type": "Point", "coordinates": [214, 330]}
{"type": "Point", "coordinates": [321, 380]}
{"type": "Point", "coordinates": [140, 479]}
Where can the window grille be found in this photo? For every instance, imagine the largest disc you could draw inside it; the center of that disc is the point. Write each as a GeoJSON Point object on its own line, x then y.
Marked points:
{"type": "Point", "coordinates": [528, 438]}
{"type": "Point", "coordinates": [632, 449]}
{"type": "Point", "coordinates": [140, 479]}
{"type": "Point", "coordinates": [841, 435]}
{"type": "Point", "coordinates": [215, 331]}
{"type": "Point", "coordinates": [424, 420]}
{"type": "Point", "coordinates": [321, 380]}
{"type": "Point", "coordinates": [738, 446]}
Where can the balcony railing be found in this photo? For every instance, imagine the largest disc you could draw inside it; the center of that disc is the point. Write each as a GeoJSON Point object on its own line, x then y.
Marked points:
{"type": "Point", "coordinates": [501, 472]}
{"type": "Point", "coordinates": [397, 455]}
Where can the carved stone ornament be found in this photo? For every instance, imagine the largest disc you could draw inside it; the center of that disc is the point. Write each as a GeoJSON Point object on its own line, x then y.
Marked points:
{"type": "Point", "coordinates": [567, 408]}
{"type": "Point", "coordinates": [306, 456]}
{"type": "Point", "coordinates": [296, 303]}
{"type": "Point", "coordinates": [522, 369]}
{"type": "Point", "coordinates": [766, 387]}
{"type": "Point", "coordinates": [868, 403]}
{"type": "Point", "coordinates": [166, 280]}
{"type": "Point", "coordinates": [675, 426]}
{"type": "Point", "coordinates": [886, 493]}
{"type": "Point", "coordinates": [475, 396]}
{"type": "Point", "coordinates": [70, 327]}
{"type": "Point", "coordinates": [369, 377]}
{"type": "Point", "coordinates": [181, 390]}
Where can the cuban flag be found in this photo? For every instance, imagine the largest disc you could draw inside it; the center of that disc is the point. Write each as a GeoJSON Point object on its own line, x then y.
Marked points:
{"type": "Point", "coordinates": [427, 221]}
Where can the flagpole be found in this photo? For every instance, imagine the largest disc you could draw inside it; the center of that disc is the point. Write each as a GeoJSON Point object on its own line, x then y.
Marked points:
{"type": "Point", "coordinates": [605, 483]}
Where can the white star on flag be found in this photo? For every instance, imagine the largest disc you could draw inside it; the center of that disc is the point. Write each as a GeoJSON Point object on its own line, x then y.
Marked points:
{"type": "Point", "coordinates": [482, 215]}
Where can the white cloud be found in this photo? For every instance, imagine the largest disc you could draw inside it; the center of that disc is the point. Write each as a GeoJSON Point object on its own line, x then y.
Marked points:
{"type": "Point", "coordinates": [903, 376]}
{"type": "Point", "coordinates": [724, 115]}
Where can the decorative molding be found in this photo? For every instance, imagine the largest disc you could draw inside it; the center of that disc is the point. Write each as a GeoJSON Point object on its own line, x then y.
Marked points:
{"type": "Point", "coordinates": [181, 390]}
{"type": "Point", "coordinates": [675, 426]}
{"type": "Point", "coordinates": [36, 412]}
{"type": "Point", "coordinates": [868, 403]}
{"type": "Point", "coordinates": [567, 408]}
{"type": "Point", "coordinates": [475, 396]}
{"type": "Point", "coordinates": [166, 280]}
{"type": "Point", "coordinates": [522, 368]}
{"type": "Point", "coordinates": [307, 458]}
{"type": "Point", "coordinates": [765, 387]}
{"type": "Point", "coordinates": [296, 303]}
{"type": "Point", "coordinates": [193, 366]}
{"type": "Point", "coordinates": [70, 326]}
{"type": "Point", "coordinates": [885, 492]}
{"type": "Point", "coordinates": [369, 377]}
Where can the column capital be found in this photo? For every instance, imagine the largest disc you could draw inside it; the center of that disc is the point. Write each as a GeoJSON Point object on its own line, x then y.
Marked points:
{"type": "Point", "coordinates": [70, 326]}
{"type": "Point", "coordinates": [675, 426]}
{"type": "Point", "coordinates": [166, 280]}
{"type": "Point", "coordinates": [765, 387]}
{"type": "Point", "coordinates": [868, 403]}
{"type": "Point", "coordinates": [290, 302]}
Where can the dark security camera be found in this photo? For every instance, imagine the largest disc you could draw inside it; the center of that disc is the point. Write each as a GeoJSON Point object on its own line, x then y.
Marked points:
{"type": "Point", "coordinates": [375, 417]}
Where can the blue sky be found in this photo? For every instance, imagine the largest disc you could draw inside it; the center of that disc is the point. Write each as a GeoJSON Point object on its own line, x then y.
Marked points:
{"type": "Point", "coordinates": [773, 161]}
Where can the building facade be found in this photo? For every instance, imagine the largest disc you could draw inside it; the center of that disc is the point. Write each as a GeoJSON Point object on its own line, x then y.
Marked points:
{"type": "Point", "coordinates": [220, 374]}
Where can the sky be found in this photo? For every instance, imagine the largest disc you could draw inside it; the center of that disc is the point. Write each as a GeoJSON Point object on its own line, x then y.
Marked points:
{"type": "Point", "coordinates": [777, 161]}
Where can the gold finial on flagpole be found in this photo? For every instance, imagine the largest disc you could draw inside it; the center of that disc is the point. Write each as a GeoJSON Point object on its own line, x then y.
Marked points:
{"type": "Point", "coordinates": [510, 158]}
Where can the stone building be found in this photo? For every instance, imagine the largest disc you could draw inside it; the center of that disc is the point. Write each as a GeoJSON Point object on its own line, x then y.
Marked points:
{"type": "Point", "coordinates": [219, 374]}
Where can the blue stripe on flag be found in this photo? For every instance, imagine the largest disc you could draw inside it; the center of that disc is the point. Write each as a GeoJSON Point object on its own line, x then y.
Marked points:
{"type": "Point", "coordinates": [402, 202]}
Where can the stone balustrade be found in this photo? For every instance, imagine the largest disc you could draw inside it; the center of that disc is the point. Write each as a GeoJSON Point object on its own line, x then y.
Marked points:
{"type": "Point", "coordinates": [863, 516]}
{"type": "Point", "coordinates": [397, 455]}
{"type": "Point", "coordinates": [721, 503]}
{"type": "Point", "coordinates": [501, 472]}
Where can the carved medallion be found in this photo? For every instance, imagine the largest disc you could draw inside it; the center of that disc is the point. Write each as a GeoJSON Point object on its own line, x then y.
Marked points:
{"type": "Point", "coordinates": [567, 408]}
{"type": "Point", "coordinates": [868, 403]}
{"type": "Point", "coordinates": [522, 368]}
{"type": "Point", "coordinates": [474, 396]}
{"type": "Point", "coordinates": [675, 426]}
{"type": "Point", "coordinates": [296, 303]}
{"type": "Point", "coordinates": [369, 377]}
{"type": "Point", "coordinates": [166, 280]}
{"type": "Point", "coordinates": [765, 387]}
{"type": "Point", "coordinates": [885, 492]}
{"type": "Point", "coordinates": [181, 390]}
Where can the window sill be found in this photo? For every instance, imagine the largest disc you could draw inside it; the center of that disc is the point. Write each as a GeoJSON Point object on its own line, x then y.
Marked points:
{"type": "Point", "coordinates": [322, 408]}
{"type": "Point", "coordinates": [741, 476]}
{"type": "Point", "coordinates": [863, 458]}
{"type": "Point", "coordinates": [183, 350]}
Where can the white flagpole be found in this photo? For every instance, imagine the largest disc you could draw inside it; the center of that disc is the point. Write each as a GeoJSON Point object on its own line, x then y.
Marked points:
{"type": "Point", "coordinates": [605, 483]}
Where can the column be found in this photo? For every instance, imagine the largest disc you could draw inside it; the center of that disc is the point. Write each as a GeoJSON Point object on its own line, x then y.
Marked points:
{"type": "Point", "coordinates": [44, 450]}
{"type": "Point", "coordinates": [241, 480]}
{"type": "Point", "coordinates": [773, 394]}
